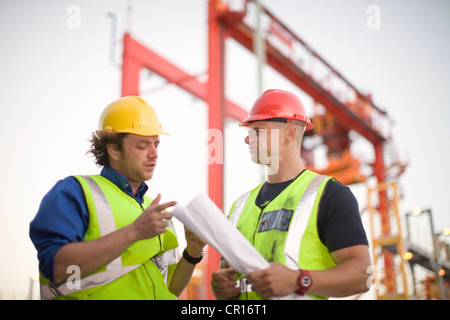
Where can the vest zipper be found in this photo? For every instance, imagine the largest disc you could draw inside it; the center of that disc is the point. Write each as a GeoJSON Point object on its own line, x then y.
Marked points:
{"type": "Point", "coordinates": [259, 217]}
{"type": "Point", "coordinates": [257, 225]}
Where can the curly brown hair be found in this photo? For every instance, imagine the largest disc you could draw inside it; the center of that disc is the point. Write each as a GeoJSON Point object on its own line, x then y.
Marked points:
{"type": "Point", "coordinates": [99, 142]}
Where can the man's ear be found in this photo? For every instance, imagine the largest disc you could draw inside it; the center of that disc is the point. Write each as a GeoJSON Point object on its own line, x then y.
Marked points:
{"type": "Point", "coordinates": [290, 133]}
{"type": "Point", "coordinates": [113, 151]}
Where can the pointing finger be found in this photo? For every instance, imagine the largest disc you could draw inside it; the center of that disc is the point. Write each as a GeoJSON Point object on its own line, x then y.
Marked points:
{"type": "Point", "coordinates": [164, 206]}
{"type": "Point", "coordinates": [157, 199]}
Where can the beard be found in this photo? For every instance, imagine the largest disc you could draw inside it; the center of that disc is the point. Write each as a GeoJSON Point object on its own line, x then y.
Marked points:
{"type": "Point", "coordinates": [135, 171]}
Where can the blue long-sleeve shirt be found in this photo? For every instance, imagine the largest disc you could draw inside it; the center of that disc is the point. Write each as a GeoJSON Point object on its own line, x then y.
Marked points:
{"type": "Point", "coordinates": [63, 217]}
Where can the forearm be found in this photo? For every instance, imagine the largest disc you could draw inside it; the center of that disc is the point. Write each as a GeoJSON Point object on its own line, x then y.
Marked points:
{"type": "Point", "coordinates": [181, 276]}
{"type": "Point", "coordinates": [183, 271]}
{"type": "Point", "coordinates": [346, 279]}
{"type": "Point", "coordinates": [91, 255]}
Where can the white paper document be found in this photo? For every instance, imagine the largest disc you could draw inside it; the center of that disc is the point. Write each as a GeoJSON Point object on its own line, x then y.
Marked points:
{"type": "Point", "coordinates": [205, 219]}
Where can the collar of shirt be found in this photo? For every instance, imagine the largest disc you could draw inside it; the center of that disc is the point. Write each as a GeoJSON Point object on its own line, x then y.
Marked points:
{"type": "Point", "coordinates": [121, 182]}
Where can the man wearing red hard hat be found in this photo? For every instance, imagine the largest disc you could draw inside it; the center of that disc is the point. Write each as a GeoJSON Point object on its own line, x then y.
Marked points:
{"type": "Point", "coordinates": [306, 225]}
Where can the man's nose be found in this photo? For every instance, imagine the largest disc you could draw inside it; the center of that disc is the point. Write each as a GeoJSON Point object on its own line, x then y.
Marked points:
{"type": "Point", "coordinates": [152, 152]}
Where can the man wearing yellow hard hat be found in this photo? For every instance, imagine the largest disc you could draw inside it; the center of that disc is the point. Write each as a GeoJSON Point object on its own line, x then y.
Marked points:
{"type": "Point", "coordinates": [100, 236]}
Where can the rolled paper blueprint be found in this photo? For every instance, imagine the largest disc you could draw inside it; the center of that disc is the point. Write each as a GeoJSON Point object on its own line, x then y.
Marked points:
{"type": "Point", "coordinates": [205, 219]}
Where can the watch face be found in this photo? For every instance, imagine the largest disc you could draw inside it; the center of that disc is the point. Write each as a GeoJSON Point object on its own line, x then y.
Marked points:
{"type": "Point", "coordinates": [306, 281]}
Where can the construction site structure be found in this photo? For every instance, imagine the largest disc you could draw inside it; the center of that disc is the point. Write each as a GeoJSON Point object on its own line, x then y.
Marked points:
{"type": "Point", "coordinates": [340, 108]}
{"type": "Point", "coordinates": [390, 279]}
{"type": "Point", "coordinates": [428, 255]}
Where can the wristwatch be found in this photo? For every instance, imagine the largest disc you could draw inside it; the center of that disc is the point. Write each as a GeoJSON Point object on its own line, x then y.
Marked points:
{"type": "Point", "coordinates": [304, 281]}
{"type": "Point", "coordinates": [190, 259]}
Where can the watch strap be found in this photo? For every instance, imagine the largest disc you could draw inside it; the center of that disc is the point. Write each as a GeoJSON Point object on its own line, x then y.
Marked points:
{"type": "Point", "coordinates": [190, 259]}
{"type": "Point", "coordinates": [304, 281]}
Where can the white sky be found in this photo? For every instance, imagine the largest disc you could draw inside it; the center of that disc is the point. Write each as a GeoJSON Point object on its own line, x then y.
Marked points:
{"type": "Point", "coordinates": [54, 82]}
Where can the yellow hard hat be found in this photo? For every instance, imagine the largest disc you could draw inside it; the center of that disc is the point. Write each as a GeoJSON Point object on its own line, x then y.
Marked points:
{"type": "Point", "coordinates": [131, 114]}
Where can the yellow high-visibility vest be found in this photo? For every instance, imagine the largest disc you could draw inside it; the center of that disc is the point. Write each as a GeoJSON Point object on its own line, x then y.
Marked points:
{"type": "Point", "coordinates": [142, 271]}
{"type": "Point", "coordinates": [285, 231]}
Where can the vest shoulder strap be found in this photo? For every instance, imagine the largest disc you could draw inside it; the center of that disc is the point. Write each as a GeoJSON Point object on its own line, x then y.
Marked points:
{"type": "Point", "coordinates": [300, 221]}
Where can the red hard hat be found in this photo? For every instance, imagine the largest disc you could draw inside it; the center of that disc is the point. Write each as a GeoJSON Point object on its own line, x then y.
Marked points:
{"type": "Point", "coordinates": [275, 104]}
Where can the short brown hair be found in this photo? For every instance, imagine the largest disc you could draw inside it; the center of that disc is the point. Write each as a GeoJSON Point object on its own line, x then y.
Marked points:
{"type": "Point", "coordinates": [99, 142]}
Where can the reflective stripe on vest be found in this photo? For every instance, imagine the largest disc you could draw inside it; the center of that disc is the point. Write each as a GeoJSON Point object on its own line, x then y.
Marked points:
{"type": "Point", "coordinates": [295, 232]}
{"type": "Point", "coordinates": [300, 221]}
{"type": "Point", "coordinates": [114, 269]}
{"type": "Point", "coordinates": [238, 207]}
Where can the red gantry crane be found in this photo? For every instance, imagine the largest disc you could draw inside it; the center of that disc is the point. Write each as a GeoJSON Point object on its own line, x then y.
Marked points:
{"type": "Point", "coordinates": [340, 108]}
